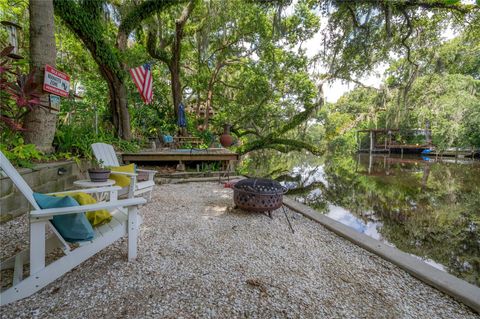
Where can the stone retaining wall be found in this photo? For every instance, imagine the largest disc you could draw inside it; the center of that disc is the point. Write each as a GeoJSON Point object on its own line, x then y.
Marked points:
{"type": "Point", "coordinates": [43, 178]}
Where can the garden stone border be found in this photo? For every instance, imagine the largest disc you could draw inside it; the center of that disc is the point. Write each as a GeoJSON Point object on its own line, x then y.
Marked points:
{"type": "Point", "coordinates": [42, 178]}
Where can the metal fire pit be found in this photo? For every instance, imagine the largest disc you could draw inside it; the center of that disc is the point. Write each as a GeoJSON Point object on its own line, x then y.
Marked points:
{"type": "Point", "coordinates": [258, 194]}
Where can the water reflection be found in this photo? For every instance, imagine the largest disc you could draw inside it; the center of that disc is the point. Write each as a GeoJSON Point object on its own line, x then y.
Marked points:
{"type": "Point", "coordinates": [424, 206]}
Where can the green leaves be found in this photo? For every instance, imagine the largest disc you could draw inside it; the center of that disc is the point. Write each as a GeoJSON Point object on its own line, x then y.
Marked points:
{"type": "Point", "coordinates": [450, 2]}
{"type": "Point", "coordinates": [21, 154]}
{"type": "Point", "coordinates": [361, 35]}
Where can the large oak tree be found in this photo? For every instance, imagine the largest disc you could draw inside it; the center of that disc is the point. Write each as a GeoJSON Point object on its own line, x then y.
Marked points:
{"type": "Point", "coordinates": [86, 19]}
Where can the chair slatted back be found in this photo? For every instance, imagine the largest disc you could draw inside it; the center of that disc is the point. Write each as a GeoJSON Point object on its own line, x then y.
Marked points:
{"type": "Point", "coordinates": [17, 179]}
{"type": "Point", "coordinates": [105, 153]}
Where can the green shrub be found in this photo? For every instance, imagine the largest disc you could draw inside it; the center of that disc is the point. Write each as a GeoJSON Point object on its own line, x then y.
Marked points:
{"type": "Point", "coordinates": [77, 140]}
{"type": "Point", "coordinates": [20, 154]}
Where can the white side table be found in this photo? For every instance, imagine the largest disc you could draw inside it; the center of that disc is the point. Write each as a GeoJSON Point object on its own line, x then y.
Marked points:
{"type": "Point", "coordinates": [86, 183]}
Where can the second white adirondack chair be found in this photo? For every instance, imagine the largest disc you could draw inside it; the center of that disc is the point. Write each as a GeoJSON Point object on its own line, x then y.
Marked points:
{"type": "Point", "coordinates": [105, 153]}
{"type": "Point", "coordinates": [125, 221]}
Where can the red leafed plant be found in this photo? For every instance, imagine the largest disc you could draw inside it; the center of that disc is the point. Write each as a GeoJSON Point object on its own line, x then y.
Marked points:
{"type": "Point", "coordinates": [19, 93]}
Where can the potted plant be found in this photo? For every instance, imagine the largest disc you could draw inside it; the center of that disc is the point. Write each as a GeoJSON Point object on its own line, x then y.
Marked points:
{"type": "Point", "coordinates": [98, 173]}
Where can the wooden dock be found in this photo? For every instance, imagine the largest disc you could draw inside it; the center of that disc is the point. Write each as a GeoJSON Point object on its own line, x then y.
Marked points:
{"type": "Point", "coordinates": [384, 141]}
{"type": "Point", "coordinates": [456, 152]}
{"type": "Point", "coordinates": [181, 155]}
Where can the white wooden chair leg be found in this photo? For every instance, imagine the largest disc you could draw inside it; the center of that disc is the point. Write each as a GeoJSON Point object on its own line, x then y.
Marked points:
{"type": "Point", "coordinates": [132, 232]}
{"type": "Point", "coordinates": [131, 187]}
{"type": "Point", "coordinates": [113, 195]}
{"type": "Point", "coordinates": [37, 246]}
{"type": "Point", "coordinates": [18, 270]}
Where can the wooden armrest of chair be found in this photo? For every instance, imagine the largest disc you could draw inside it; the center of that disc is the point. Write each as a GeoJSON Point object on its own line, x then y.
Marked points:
{"type": "Point", "coordinates": [125, 173]}
{"type": "Point", "coordinates": [50, 212]}
{"type": "Point", "coordinates": [90, 190]}
{"type": "Point", "coordinates": [150, 173]}
{"type": "Point", "coordinates": [146, 170]}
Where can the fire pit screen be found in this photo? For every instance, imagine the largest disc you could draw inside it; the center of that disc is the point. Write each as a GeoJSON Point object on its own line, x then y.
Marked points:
{"type": "Point", "coordinates": [257, 194]}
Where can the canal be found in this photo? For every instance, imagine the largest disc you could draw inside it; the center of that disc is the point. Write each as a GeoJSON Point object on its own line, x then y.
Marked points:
{"type": "Point", "coordinates": [427, 207]}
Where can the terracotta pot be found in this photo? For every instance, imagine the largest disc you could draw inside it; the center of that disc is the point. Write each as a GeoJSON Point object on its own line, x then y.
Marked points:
{"type": "Point", "coordinates": [98, 174]}
{"type": "Point", "coordinates": [226, 139]}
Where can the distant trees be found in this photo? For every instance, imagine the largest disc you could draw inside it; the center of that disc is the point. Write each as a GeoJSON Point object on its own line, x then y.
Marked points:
{"type": "Point", "coordinates": [446, 93]}
{"type": "Point", "coordinates": [237, 65]}
{"type": "Point", "coordinates": [360, 35]}
{"type": "Point", "coordinates": [245, 63]}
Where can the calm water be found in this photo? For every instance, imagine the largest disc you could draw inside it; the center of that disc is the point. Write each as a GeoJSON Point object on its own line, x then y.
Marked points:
{"type": "Point", "coordinates": [428, 208]}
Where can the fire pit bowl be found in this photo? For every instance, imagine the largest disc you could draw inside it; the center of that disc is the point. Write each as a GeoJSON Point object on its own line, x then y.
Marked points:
{"type": "Point", "coordinates": [258, 194]}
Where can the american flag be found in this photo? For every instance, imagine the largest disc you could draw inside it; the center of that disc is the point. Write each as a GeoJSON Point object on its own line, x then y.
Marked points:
{"type": "Point", "coordinates": [142, 76]}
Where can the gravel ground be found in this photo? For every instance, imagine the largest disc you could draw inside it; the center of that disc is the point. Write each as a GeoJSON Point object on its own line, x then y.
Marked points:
{"type": "Point", "coordinates": [200, 258]}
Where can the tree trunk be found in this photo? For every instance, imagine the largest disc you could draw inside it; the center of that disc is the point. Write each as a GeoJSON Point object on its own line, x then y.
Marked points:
{"type": "Point", "coordinates": [176, 86]}
{"type": "Point", "coordinates": [41, 123]}
{"type": "Point", "coordinates": [119, 109]}
{"type": "Point", "coordinates": [118, 103]}
{"type": "Point", "coordinates": [211, 84]}
{"type": "Point", "coordinates": [208, 104]}
{"type": "Point", "coordinates": [172, 60]}
{"type": "Point", "coordinates": [176, 56]}
{"type": "Point", "coordinates": [428, 133]}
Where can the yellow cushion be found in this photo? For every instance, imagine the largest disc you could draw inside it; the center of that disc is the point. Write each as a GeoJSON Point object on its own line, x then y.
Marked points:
{"type": "Point", "coordinates": [122, 180]}
{"type": "Point", "coordinates": [96, 218]}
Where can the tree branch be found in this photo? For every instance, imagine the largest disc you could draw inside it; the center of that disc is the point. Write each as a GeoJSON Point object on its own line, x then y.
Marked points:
{"type": "Point", "coordinates": [180, 22]}
{"type": "Point", "coordinates": [409, 33]}
{"type": "Point", "coordinates": [283, 145]}
{"type": "Point", "coordinates": [156, 53]}
{"type": "Point", "coordinates": [137, 15]}
{"type": "Point", "coordinates": [425, 4]}
{"type": "Point", "coordinates": [354, 18]}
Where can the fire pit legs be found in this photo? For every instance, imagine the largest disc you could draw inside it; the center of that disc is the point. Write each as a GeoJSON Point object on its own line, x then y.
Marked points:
{"type": "Point", "coordinates": [288, 220]}
{"type": "Point", "coordinates": [269, 214]}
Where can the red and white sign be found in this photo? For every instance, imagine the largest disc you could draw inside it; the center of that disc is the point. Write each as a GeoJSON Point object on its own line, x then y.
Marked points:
{"type": "Point", "coordinates": [56, 82]}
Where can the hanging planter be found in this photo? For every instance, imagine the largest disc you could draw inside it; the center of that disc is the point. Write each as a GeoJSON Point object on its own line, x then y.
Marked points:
{"type": "Point", "coordinates": [226, 139]}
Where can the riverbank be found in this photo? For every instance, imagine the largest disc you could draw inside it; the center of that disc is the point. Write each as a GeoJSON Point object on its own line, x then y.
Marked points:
{"type": "Point", "coordinates": [200, 257]}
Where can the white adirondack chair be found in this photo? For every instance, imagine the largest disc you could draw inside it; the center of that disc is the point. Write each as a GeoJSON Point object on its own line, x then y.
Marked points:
{"type": "Point", "coordinates": [125, 221]}
{"type": "Point", "coordinates": [106, 154]}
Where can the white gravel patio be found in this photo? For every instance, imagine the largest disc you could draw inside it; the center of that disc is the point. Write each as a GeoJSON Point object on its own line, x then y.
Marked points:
{"type": "Point", "coordinates": [200, 258]}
